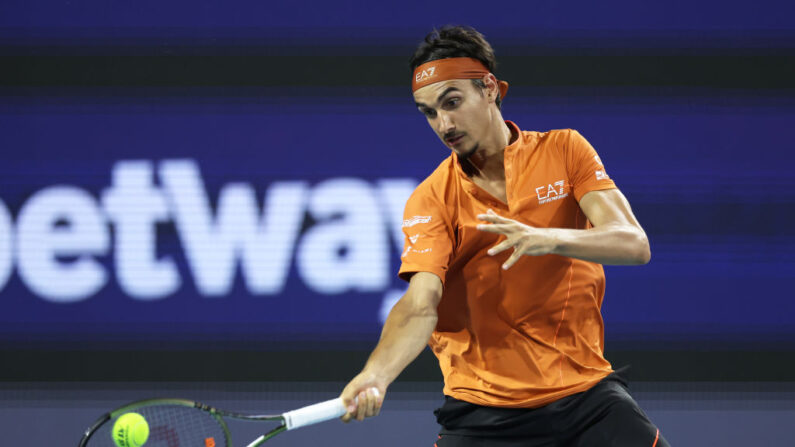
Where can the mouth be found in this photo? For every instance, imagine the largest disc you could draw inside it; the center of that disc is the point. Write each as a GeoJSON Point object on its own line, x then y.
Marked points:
{"type": "Point", "coordinates": [454, 140]}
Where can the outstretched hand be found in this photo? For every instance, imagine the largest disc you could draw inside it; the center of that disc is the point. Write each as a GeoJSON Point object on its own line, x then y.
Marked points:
{"type": "Point", "coordinates": [524, 239]}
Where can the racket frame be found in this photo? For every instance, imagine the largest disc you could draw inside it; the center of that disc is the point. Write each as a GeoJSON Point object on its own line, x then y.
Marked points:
{"type": "Point", "coordinates": [292, 419]}
{"type": "Point", "coordinates": [217, 414]}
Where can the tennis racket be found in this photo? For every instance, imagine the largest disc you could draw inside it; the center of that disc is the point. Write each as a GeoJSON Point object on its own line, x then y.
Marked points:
{"type": "Point", "coordinates": [185, 423]}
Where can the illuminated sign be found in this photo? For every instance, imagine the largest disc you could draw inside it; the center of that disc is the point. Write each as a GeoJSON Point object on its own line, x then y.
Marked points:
{"type": "Point", "coordinates": [62, 230]}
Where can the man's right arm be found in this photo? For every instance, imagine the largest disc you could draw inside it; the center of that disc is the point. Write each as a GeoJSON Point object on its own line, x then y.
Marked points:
{"type": "Point", "coordinates": [406, 332]}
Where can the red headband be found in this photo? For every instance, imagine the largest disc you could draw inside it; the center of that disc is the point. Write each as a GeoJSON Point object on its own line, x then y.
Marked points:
{"type": "Point", "coordinates": [451, 68]}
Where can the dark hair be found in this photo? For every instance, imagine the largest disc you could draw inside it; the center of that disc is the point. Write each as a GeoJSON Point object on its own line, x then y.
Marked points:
{"type": "Point", "coordinates": [456, 41]}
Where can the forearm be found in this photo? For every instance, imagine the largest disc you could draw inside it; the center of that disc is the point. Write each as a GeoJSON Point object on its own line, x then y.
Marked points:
{"type": "Point", "coordinates": [406, 332]}
{"type": "Point", "coordinates": [612, 244]}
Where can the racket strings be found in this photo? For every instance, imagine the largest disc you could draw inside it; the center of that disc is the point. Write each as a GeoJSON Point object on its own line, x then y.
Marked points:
{"type": "Point", "coordinates": [171, 426]}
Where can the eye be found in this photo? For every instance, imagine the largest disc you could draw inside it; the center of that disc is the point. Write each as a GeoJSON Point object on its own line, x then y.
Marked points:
{"type": "Point", "coordinates": [452, 102]}
{"type": "Point", "coordinates": [429, 113]}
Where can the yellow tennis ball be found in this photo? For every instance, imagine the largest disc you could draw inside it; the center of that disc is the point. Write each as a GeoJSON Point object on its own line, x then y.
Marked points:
{"type": "Point", "coordinates": [130, 430]}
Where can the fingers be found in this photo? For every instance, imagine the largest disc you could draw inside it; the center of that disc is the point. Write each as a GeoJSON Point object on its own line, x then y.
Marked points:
{"type": "Point", "coordinates": [517, 253]}
{"type": "Point", "coordinates": [493, 217]}
{"type": "Point", "coordinates": [498, 223]}
{"type": "Point", "coordinates": [361, 405]}
{"type": "Point", "coordinates": [349, 400]}
{"type": "Point", "coordinates": [367, 403]}
{"type": "Point", "coordinates": [502, 246]}
{"type": "Point", "coordinates": [495, 228]}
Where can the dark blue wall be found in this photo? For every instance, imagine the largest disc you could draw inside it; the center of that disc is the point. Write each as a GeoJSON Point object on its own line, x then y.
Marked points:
{"type": "Point", "coordinates": [689, 105]}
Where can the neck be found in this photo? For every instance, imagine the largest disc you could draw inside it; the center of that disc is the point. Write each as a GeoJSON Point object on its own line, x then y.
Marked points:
{"type": "Point", "coordinates": [488, 162]}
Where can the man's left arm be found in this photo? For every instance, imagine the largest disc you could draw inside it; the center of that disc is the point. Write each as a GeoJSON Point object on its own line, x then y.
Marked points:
{"type": "Point", "coordinates": [615, 239]}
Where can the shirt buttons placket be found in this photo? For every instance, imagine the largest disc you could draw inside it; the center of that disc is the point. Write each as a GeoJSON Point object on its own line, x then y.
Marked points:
{"type": "Point", "coordinates": [508, 177]}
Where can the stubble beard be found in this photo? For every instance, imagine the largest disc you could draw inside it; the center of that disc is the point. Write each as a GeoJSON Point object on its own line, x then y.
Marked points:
{"type": "Point", "coordinates": [465, 156]}
{"type": "Point", "coordinates": [464, 159]}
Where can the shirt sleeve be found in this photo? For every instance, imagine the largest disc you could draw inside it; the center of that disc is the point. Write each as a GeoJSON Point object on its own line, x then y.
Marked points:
{"type": "Point", "coordinates": [428, 242]}
{"type": "Point", "coordinates": [585, 168]}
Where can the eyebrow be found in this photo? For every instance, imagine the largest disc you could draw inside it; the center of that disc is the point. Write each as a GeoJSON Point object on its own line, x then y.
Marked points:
{"type": "Point", "coordinates": [439, 99]}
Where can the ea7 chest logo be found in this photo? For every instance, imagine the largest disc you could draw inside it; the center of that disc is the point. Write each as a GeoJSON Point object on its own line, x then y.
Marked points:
{"type": "Point", "coordinates": [550, 192]}
{"type": "Point", "coordinates": [424, 74]}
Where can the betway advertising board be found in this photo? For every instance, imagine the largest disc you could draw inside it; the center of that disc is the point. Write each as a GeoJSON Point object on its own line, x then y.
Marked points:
{"type": "Point", "coordinates": [267, 222]}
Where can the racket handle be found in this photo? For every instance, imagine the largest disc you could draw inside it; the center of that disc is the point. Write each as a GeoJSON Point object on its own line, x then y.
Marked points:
{"type": "Point", "coordinates": [324, 411]}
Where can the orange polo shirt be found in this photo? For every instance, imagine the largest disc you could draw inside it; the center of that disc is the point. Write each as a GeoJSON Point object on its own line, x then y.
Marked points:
{"type": "Point", "coordinates": [532, 334]}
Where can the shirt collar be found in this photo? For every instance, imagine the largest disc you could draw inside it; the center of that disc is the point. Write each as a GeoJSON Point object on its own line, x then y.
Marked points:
{"type": "Point", "coordinates": [509, 148]}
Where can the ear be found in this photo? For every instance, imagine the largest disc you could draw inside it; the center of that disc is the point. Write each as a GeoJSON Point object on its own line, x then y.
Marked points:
{"type": "Point", "coordinates": [492, 86]}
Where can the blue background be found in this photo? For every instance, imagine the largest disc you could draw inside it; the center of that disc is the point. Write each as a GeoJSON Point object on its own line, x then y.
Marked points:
{"type": "Point", "coordinates": [689, 103]}
{"type": "Point", "coordinates": [707, 169]}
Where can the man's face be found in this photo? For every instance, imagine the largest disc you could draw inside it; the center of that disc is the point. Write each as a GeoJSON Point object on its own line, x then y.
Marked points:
{"type": "Point", "coordinates": [457, 110]}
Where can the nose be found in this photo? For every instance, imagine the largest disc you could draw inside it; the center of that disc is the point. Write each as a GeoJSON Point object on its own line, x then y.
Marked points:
{"type": "Point", "coordinates": [445, 123]}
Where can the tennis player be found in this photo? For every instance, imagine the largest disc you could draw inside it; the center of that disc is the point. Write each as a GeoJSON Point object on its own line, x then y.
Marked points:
{"type": "Point", "coordinates": [504, 248]}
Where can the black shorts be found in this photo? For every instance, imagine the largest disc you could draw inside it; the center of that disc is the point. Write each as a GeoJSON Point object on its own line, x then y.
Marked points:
{"type": "Point", "coordinates": [605, 415]}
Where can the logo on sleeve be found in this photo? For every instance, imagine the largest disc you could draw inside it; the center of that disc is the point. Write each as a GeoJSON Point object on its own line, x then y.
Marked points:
{"type": "Point", "coordinates": [416, 220]}
{"type": "Point", "coordinates": [414, 238]}
{"type": "Point", "coordinates": [411, 249]}
{"type": "Point", "coordinates": [406, 251]}
{"type": "Point", "coordinates": [551, 192]}
{"type": "Point", "coordinates": [601, 174]}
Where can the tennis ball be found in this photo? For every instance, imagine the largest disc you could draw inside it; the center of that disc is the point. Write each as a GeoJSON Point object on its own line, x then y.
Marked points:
{"type": "Point", "coordinates": [130, 430]}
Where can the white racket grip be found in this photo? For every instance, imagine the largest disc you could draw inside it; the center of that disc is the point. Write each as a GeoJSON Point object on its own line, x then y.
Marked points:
{"type": "Point", "coordinates": [321, 412]}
